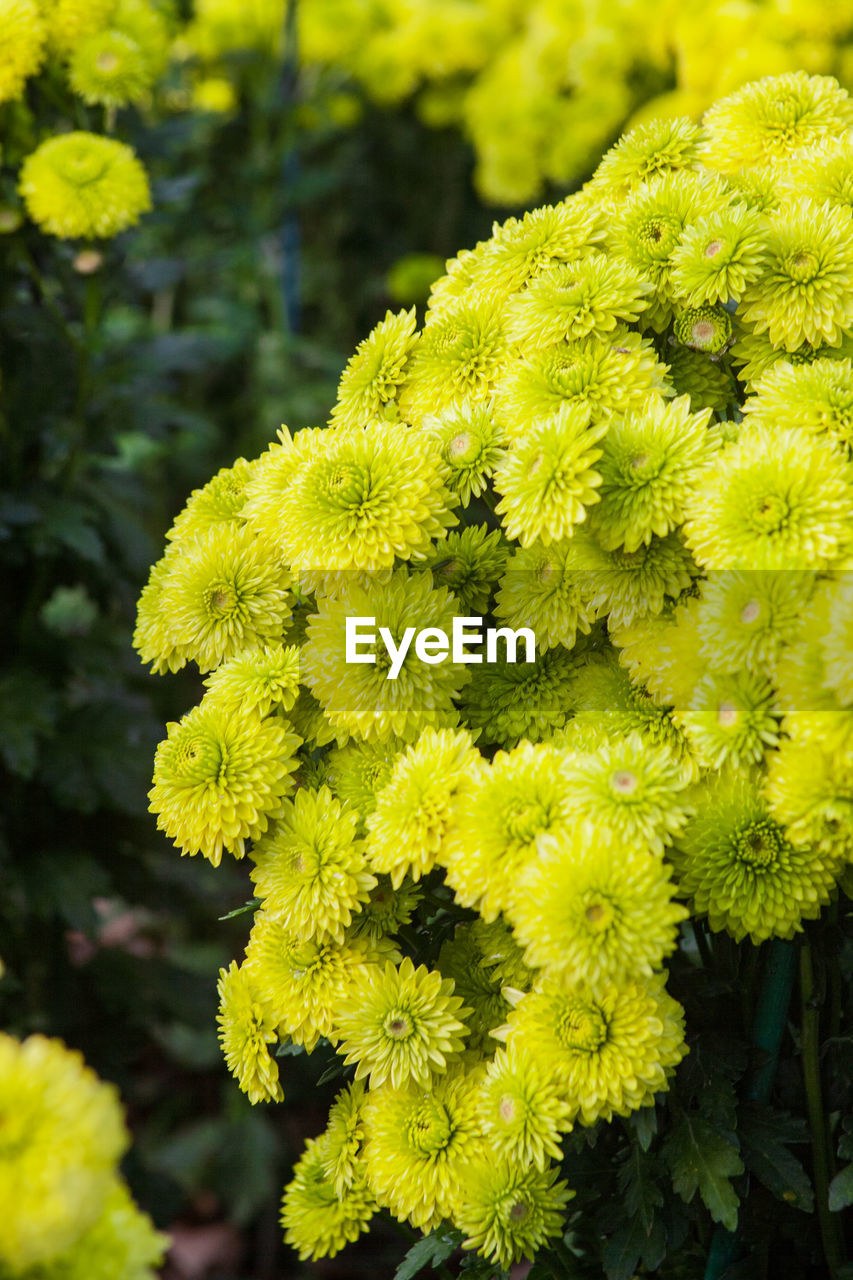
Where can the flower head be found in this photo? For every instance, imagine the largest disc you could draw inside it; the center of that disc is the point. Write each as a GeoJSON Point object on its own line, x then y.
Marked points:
{"type": "Point", "coordinates": [109, 68]}
{"type": "Point", "coordinates": [219, 779]}
{"type": "Point", "coordinates": [246, 1030]}
{"type": "Point", "coordinates": [319, 1220]}
{"type": "Point", "coordinates": [718, 256]}
{"type": "Point", "coordinates": [220, 501]}
{"type": "Point", "coordinates": [121, 1242]}
{"type": "Point", "coordinates": [509, 702]}
{"type": "Point", "coordinates": [571, 301]}
{"type": "Point", "coordinates": [508, 1212]}
{"type": "Point", "coordinates": [257, 681]}
{"type": "Point", "coordinates": [469, 563]}
{"type": "Point", "coordinates": [543, 588]}
{"type": "Point", "coordinates": [22, 37]}
{"type": "Point", "coordinates": [703, 328]}
{"type": "Point", "coordinates": [814, 397]}
{"type": "Point", "coordinates": [522, 1109]}
{"type": "Point", "coordinates": [461, 354]}
{"type": "Point", "coordinates": [310, 869]}
{"type": "Point", "coordinates": [80, 184]}
{"type": "Point", "coordinates": [371, 381]}
{"type": "Point", "coordinates": [400, 1025]}
{"type": "Point", "coordinates": [471, 444]}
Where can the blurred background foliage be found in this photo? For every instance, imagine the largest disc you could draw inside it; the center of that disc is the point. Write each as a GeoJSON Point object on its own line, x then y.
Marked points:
{"type": "Point", "coordinates": [290, 209]}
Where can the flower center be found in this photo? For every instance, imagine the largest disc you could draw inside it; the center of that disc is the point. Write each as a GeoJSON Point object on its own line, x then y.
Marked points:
{"type": "Point", "coordinates": [582, 1028]}
{"type": "Point", "coordinates": [461, 447]}
{"type": "Point", "coordinates": [712, 248]}
{"type": "Point", "coordinates": [430, 1129]}
{"type": "Point", "coordinates": [525, 820]}
{"type": "Point", "coordinates": [803, 266]}
{"type": "Point", "coordinates": [507, 1108]}
{"type": "Point", "coordinates": [198, 759]}
{"type": "Point", "coordinates": [770, 513]}
{"type": "Point", "coordinates": [599, 915]}
{"type": "Point", "coordinates": [759, 845]}
{"type": "Point", "coordinates": [727, 715]}
{"type": "Point", "coordinates": [623, 782]}
{"type": "Point", "coordinates": [703, 332]}
{"type": "Point", "coordinates": [107, 62]}
{"type": "Point", "coordinates": [346, 484]}
{"type": "Point", "coordinates": [519, 1211]}
{"type": "Point", "coordinates": [398, 1025]}
{"type": "Point", "coordinates": [750, 612]}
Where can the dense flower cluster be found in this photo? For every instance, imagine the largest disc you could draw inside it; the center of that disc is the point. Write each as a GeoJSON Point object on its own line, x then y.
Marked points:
{"type": "Point", "coordinates": [67, 1215]}
{"type": "Point", "coordinates": [637, 406]}
{"type": "Point", "coordinates": [539, 86]}
{"type": "Point", "coordinates": [109, 54]}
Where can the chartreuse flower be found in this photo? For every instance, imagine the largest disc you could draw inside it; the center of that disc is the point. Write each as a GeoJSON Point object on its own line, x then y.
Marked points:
{"type": "Point", "coordinates": [544, 589]}
{"type": "Point", "coordinates": [310, 870]}
{"type": "Point", "coordinates": [814, 397]}
{"type": "Point", "coordinates": [358, 698]}
{"type": "Point", "coordinates": [522, 1109]}
{"type": "Point", "coordinates": [399, 1025]}
{"type": "Point", "coordinates": [247, 1028]}
{"type": "Point", "coordinates": [343, 1138]}
{"type": "Point", "coordinates": [373, 376]}
{"type": "Point", "coordinates": [775, 499]}
{"type": "Point", "coordinates": [736, 863]}
{"type": "Point", "coordinates": [525, 248]}
{"type": "Point", "coordinates": [621, 585]}
{"type": "Point", "coordinates": [507, 1211]}
{"type": "Point", "coordinates": [810, 793]}
{"type": "Point", "coordinates": [706, 381]}
{"type": "Point", "coordinates": [220, 501]}
{"type": "Point", "coordinates": [649, 151]}
{"type": "Point", "coordinates": [462, 352]}
{"type": "Point", "coordinates": [408, 829]}
{"type": "Point", "coordinates": [258, 680]}
{"type": "Point", "coordinates": [718, 256]}
{"type": "Point", "coordinates": [469, 563]}
{"type": "Point", "coordinates": [61, 1136]}
{"type": "Point", "coordinates": [509, 702]}
{"type": "Point", "coordinates": [419, 1146]}
{"type": "Point", "coordinates": [121, 1242]}
{"type": "Point", "coordinates": [731, 719]}
{"type": "Point", "coordinates": [110, 69]}
{"type": "Point", "coordinates": [746, 618]}
{"type": "Point", "coordinates": [358, 772]}
{"type": "Point", "coordinates": [519, 797]}
{"type": "Point", "coordinates": [219, 779]}
{"type": "Point", "coordinates": [595, 906]}
{"type": "Point", "coordinates": [318, 1220]}
{"type": "Point", "coordinates": [611, 1048]}
{"type": "Point", "coordinates": [22, 38]}
{"type": "Point", "coordinates": [471, 444]}
{"type": "Point", "coordinates": [80, 184]}
{"type": "Point", "coordinates": [571, 301]}
{"type": "Point", "coordinates": [771, 119]}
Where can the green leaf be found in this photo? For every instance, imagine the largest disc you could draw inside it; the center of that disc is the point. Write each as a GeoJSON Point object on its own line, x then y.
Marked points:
{"type": "Point", "coordinates": [644, 1125]}
{"type": "Point", "coordinates": [637, 1184]}
{"type": "Point", "coordinates": [632, 1244]}
{"type": "Point", "coordinates": [841, 1190]}
{"type": "Point", "coordinates": [431, 1250]}
{"type": "Point", "coordinates": [703, 1159]}
{"type": "Point", "coordinates": [764, 1135]}
{"type": "Point", "coordinates": [251, 905]}
{"type": "Point", "coordinates": [27, 714]}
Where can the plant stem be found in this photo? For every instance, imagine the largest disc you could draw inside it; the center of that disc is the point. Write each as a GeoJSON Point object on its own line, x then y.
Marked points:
{"type": "Point", "coordinates": [702, 944]}
{"type": "Point", "coordinates": [810, 1047]}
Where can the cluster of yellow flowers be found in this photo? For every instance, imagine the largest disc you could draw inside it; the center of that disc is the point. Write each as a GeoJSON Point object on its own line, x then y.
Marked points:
{"type": "Point", "coordinates": [637, 407]}
{"type": "Point", "coordinates": [107, 53]}
{"type": "Point", "coordinates": [541, 86]}
{"type": "Point", "coordinates": [67, 1214]}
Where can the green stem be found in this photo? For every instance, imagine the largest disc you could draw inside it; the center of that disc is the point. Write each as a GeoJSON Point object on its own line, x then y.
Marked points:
{"type": "Point", "coordinates": [810, 1047]}
{"type": "Point", "coordinates": [702, 944]}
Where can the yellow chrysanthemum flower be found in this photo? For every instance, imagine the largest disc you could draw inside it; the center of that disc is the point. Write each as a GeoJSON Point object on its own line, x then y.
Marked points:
{"type": "Point", "coordinates": [246, 1030]}
{"type": "Point", "coordinates": [22, 37]}
{"type": "Point", "coordinates": [507, 1212]}
{"type": "Point", "coordinates": [79, 184]}
{"type": "Point", "coordinates": [318, 1220]}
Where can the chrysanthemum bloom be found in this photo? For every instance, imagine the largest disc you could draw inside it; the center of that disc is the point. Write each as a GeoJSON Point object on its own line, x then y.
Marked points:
{"type": "Point", "coordinates": [814, 397]}
{"type": "Point", "coordinates": [400, 1025]}
{"type": "Point", "coordinates": [570, 302]}
{"type": "Point", "coordinates": [522, 1109]}
{"type": "Point", "coordinates": [407, 830]}
{"type": "Point", "coordinates": [469, 563]}
{"type": "Point", "coordinates": [419, 1147]}
{"type": "Point", "coordinates": [22, 38]}
{"type": "Point", "coordinates": [512, 701]}
{"type": "Point", "coordinates": [718, 256]}
{"type": "Point", "coordinates": [837, 642]}
{"type": "Point", "coordinates": [358, 772]}
{"type": "Point", "coordinates": [358, 698]}
{"type": "Point", "coordinates": [612, 1049]}
{"type": "Point", "coordinates": [110, 69]}
{"type": "Point", "coordinates": [258, 681]}
{"type": "Point", "coordinates": [708, 383]}
{"type": "Point", "coordinates": [121, 1242]}
{"type": "Point", "coordinates": [745, 617]}
{"type": "Point", "coordinates": [318, 1221]}
{"type": "Point", "coordinates": [80, 184]}
{"type": "Point", "coordinates": [369, 385]}
{"type": "Point", "coordinates": [153, 636]}
{"type": "Point", "coordinates": [462, 352]}
{"type": "Point", "coordinates": [310, 869]}
{"type": "Point", "coordinates": [247, 1029]}
{"type": "Point", "coordinates": [649, 151]}
{"type": "Point", "coordinates": [596, 907]}
{"type": "Point", "coordinates": [548, 479]}
{"type": "Point", "coordinates": [704, 328]}
{"type": "Point", "coordinates": [218, 780]}
{"type": "Point", "coordinates": [735, 863]}
{"type": "Point", "coordinates": [507, 1212]}
{"type": "Point", "coordinates": [804, 292]}
{"type": "Point", "coordinates": [471, 444]}
{"type": "Point", "coordinates": [387, 910]}
{"type": "Point", "coordinates": [304, 982]}
{"type": "Point", "coordinates": [370, 497]}
{"type": "Point", "coordinates": [522, 249]}
{"type": "Point", "coordinates": [731, 719]}
{"type": "Point", "coordinates": [604, 376]}
{"type": "Point", "coordinates": [544, 589]}
{"type": "Point", "coordinates": [520, 796]}
{"type": "Point", "coordinates": [63, 1134]}
{"type": "Point", "coordinates": [776, 499]}
{"type": "Point", "coordinates": [665, 653]}
{"type": "Point", "coordinates": [771, 119]}
{"type": "Point", "coordinates": [825, 170]}
{"type": "Point", "coordinates": [623, 586]}
{"type": "Point", "coordinates": [635, 791]}
{"type": "Point", "coordinates": [224, 594]}
{"type": "Point", "coordinates": [810, 792]}
{"type": "Point", "coordinates": [220, 501]}
{"type": "Point", "coordinates": [70, 21]}
{"type": "Point", "coordinates": [479, 982]}
{"type": "Point", "coordinates": [343, 1137]}
{"type": "Point", "coordinates": [649, 463]}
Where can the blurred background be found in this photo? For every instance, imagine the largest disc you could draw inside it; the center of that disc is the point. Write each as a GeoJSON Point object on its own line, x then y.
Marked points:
{"type": "Point", "coordinates": [311, 166]}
